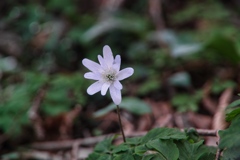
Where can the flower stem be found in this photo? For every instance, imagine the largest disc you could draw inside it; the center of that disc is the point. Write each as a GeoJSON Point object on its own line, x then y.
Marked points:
{"type": "Point", "coordinates": [120, 123]}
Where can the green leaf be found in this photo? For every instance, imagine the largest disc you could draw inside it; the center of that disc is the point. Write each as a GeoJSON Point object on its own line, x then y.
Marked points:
{"type": "Point", "coordinates": [137, 157]}
{"type": "Point", "coordinates": [219, 86]}
{"type": "Point", "coordinates": [181, 50]}
{"type": "Point", "coordinates": [209, 153]}
{"type": "Point", "coordinates": [230, 138]}
{"type": "Point", "coordinates": [225, 47]}
{"type": "Point", "coordinates": [163, 133]}
{"type": "Point", "coordinates": [149, 86]}
{"type": "Point", "coordinates": [186, 102]}
{"type": "Point", "coordinates": [125, 156]}
{"type": "Point", "coordinates": [120, 148]}
{"type": "Point", "coordinates": [104, 146]}
{"type": "Point", "coordinates": [141, 149]}
{"type": "Point", "coordinates": [98, 156]}
{"type": "Point", "coordinates": [103, 27]}
{"type": "Point", "coordinates": [153, 157]}
{"type": "Point", "coordinates": [13, 155]}
{"type": "Point", "coordinates": [192, 135]}
{"type": "Point", "coordinates": [162, 146]}
{"type": "Point", "coordinates": [232, 114]}
{"type": "Point", "coordinates": [133, 105]}
{"type": "Point", "coordinates": [180, 79]}
{"type": "Point", "coordinates": [234, 104]}
{"type": "Point", "coordinates": [231, 154]}
{"type": "Point", "coordinates": [133, 141]}
{"type": "Point", "coordinates": [190, 151]}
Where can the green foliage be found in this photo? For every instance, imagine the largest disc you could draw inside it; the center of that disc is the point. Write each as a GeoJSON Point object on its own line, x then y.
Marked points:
{"type": "Point", "coordinates": [192, 135]}
{"type": "Point", "coordinates": [180, 79]}
{"type": "Point", "coordinates": [234, 104]}
{"type": "Point", "coordinates": [66, 6]}
{"type": "Point", "coordinates": [229, 140]}
{"type": "Point", "coordinates": [133, 105]}
{"type": "Point", "coordinates": [159, 144]}
{"type": "Point", "coordinates": [225, 48]}
{"type": "Point", "coordinates": [232, 110]}
{"type": "Point", "coordinates": [13, 155]}
{"type": "Point", "coordinates": [54, 37]}
{"type": "Point", "coordinates": [186, 102]}
{"type": "Point", "coordinates": [219, 86]}
{"type": "Point", "coordinates": [163, 133]}
{"type": "Point", "coordinates": [63, 92]}
{"type": "Point", "coordinates": [195, 151]}
{"type": "Point", "coordinates": [232, 114]}
{"type": "Point", "coordinates": [149, 86]}
{"type": "Point", "coordinates": [16, 99]}
{"type": "Point", "coordinates": [192, 10]}
{"type": "Point", "coordinates": [162, 146]}
{"type": "Point", "coordinates": [118, 23]}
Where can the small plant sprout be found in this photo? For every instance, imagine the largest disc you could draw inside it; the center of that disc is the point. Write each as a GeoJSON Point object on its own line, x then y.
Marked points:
{"type": "Point", "coordinates": [108, 76]}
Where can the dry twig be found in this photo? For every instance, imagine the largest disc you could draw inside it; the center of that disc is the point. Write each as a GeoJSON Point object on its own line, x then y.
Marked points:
{"type": "Point", "coordinates": [219, 117]}
{"type": "Point", "coordinates": [155, 9]}
{"type": "Point", "coordinates": [219, 122]}
{"type": "Point", "coordinates": [75, 150]}
{"type": "Point", "coordinates": [218, 154]}
{"type": "Point", "coordinates": [209, 104]}
{"type": "Point", "coordinates": [67, 144]}
{"type": "Point", "coordinates": [33, 113]}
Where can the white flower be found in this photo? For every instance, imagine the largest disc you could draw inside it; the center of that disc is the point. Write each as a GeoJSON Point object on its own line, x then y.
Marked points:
{"type": "Point", "coordinates": [107, 74]}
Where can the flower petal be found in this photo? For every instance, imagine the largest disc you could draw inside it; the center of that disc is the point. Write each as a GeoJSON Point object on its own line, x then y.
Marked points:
{"type": "Point", "coordinates": [93, 76]}
{"type": "Point", "coordinates": [115, 94]}
{"type": "Point", "coordinates": [107, 55]}
{"type": "Point", "coordinates": [118, 85]}
{"type": "Point", "coordinates": [102, 62]}
{"type": "Point", "coordinates": [104, 88]}
{"type": "Point", "coordinates": [125, 73]}
{"type": "Point", "coordinates": [117, 63]}
{"type": "Point", "coordinates": [92, 66]}
{"type": "Point", "coordinates": [94, 88]}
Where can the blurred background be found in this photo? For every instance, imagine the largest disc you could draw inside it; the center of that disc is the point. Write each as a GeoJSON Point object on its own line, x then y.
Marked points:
{"type": "Point", "coordinates": [185, 55]}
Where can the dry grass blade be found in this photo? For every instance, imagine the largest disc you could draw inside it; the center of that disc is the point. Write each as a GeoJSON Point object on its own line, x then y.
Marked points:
{"type": "Point", "coordinates": [219, 122]}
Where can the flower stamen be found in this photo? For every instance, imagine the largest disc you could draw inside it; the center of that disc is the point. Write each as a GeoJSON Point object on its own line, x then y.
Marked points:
{"type": "Point", "coordinates": [110, 77]}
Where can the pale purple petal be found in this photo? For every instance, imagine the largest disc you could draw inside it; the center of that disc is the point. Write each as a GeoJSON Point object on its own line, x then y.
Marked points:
{"type": "Point", "coordinates": [94, 88]}
{"type": "Point", "coordinates": [118, 85]}
{"type": "Point", "coordinates": [117, 63]}
{"type": "Point", "coordinates": [104, 88]}
{"type": "Point", "coordinates": [92, 66]}
{"type": "Point", "coordinates": [93, 76]}
{"type": "Point", "coordinates": [102, 62]}
{"type": "Point", "coordinates": [117, 59]}
{"type": "Point", "coordinates": [125, 73]}
{"type": "Point", "coordinates": [115, 94]}
{"type": "Point", "coordinates": [108, 56]}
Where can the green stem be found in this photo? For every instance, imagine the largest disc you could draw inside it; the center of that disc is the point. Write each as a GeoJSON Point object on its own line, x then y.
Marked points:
{"type": "Point", "coordinates": [120, 123]}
